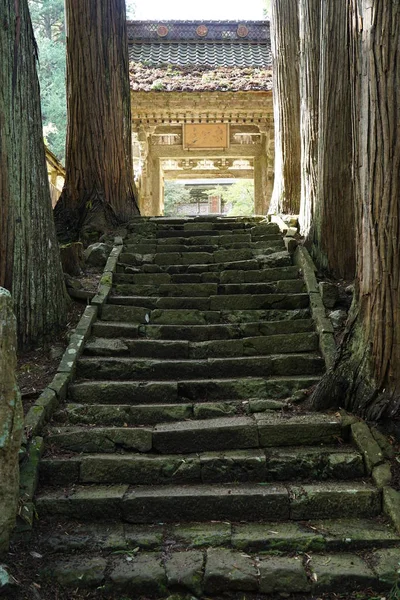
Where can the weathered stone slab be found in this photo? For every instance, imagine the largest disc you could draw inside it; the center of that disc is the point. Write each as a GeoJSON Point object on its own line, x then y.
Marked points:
{"type": "Point", "coordinates": [344, 572]}
{"type": "Point", "coordinates": [185, 571]}
{"type": "Point", "coordinates": [140, 469]}
{"type": "Point", "coordinates": [101, 439]}
{"type": "Point", "coordinates": [235, 465]}
{"type": "Point", "coordinates": [227, 570]}
{"type": "Point", "coordinates": [125, 414]}
{"type": "Point", "coordinates": [367, 444]}
{"type": "Point", "coordinates": [329, 500]}
{"type": "Point", "coordinates": [212, 434]}
{"type": "Point", "coordinates": [276, 537]}
{"type": "Point", "coordinates": [144, 574]}
{"type": "Point", "coordinates": [386, 564]}
{"type": "Point", "coordinates": [199, 535]}
{"type": "Point", "coordinates": [88, 503]}
{"type": "Point", "coordinates": [115, 392]}
{"type": "Point", "coordinates": [283, 575]}
{"type": "Point", "coordinates": [297, 430]}
{"type": "Point", "coordinates": [223, 502]}
{"type": "Point", "coordinates": [80, 572]}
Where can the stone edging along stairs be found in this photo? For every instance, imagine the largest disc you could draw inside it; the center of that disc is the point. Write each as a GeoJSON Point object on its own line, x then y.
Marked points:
{"type": "Point", "coordinates": [180, 460]}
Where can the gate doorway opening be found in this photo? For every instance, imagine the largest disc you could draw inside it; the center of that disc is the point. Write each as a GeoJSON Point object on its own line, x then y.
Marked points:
{"type": "Point", "coordinates": [201, 95]}
{"type": "Point", "coordinates": [225, 197]}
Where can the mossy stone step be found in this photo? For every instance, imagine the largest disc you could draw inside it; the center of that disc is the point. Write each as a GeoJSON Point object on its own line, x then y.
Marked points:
{"type": "Point", "coordinates": [209, 245]}
{"type": "Point", "coordinates": [253, 346]}
{"type": "Point", "coordinates": [230, 502]}
{"type": "Point", "coordinates": [210, 239]}
{"type": "Point", "coordinates": [243, 366]}
{"type": "Point", "coordinates": [223, 277]}
{"type": "Point", "coordinates": [200, 333]}
{"type": "Point", "coordinates": [206, 467]}
{"type": "Point", "coordinates": [277, 301]}
{"type": "Point", "coordinates": [224, 433]}
{"type": "Point", "coordinates": [204, 289]}
{"type": "Point", "coordinates": [348, 535]}
{"type": "Point", "coordinates": [260, 261]}
{"type": "Point", "coordinates": [123, 415]}
{"type": "Point", "coordinates": [142, 315]}
{"type": "Point", "coordinates": [172, 392]}
{"type": "Point", "coordinates": [220, 571]}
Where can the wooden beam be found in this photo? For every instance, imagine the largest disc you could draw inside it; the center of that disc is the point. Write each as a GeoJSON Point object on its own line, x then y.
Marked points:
{"type": "Point", "coordinates": [239, 151]}
{"type": "Point", "coordinates": [220, 174]}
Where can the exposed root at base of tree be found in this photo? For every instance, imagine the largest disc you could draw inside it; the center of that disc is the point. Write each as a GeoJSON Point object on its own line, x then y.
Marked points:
{"type": "Point", "coordinates": [350, 384]}
{"type": "Point", "coordinates": [92, 213]}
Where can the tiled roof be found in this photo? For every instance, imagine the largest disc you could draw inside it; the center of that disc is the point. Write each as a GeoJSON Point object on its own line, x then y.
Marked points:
{"type": "Point", "coordinates": [211, 54]}
{"type": "Point", "coordinates": [200, 56]}
{"type": "Point", "coordinates": [199, 30]}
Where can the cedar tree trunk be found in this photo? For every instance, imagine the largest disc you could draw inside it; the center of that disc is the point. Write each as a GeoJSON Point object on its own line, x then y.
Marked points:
{"type": "Point", "coordinates": [285, 59]}
{"type": "Point", "coordinates": [366, 376]}
{"type": "Point", "coordinates": [99, 188]}
{"type": "Point", "coordinates": [333, 232]}
{"type": "Point", "coordinates": [309, 26]}
{"type": "Point", "coordinates": [11, 421]}
{"type": "Point", "coordinates": [29, 256]}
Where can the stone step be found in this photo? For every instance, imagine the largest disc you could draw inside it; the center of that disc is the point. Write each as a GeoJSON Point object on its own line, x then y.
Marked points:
{"type": "Point", "coordinates": [229, 228]}
{"type": "Point", "coordinates": [123, 415]}
{"type": "Point", "coordinates": [252, 346]}
{"type": "Point", "coordinates": [338, 535]}
{"type": "Point", "coordinates": [261, 430]}
{"type": "Point", "coordinates": [143, 315]}
{"type": "Point", "coordinates": [276, 260]}
{"type": "Point", "coordinates": [224, 277]}
{"type": "Point", "coordinates": [241, 236]}
{"type": "Point", "coordinates": [217, 572]}
{"type": "Point", "coordinates": [152, 247]}
{"type": "Point", "coordinates": [205, 467]}
{"type": "Point", "coordinates": [225, 502]}
{"type": "Point", "coordinates": [173, 392]}
{"type": "Point", "coordinates": [203, 289]}
{"type": "Point", "coordinates": [253, 366]}
{"type": "Point", "coordinates": [198, 257]}
{"type": "Point", "coordinates": [278, 301]}
{"type": "Point", "coordinates": [258, 261]}
{"type": "Point", "coordinates": [200, 333]}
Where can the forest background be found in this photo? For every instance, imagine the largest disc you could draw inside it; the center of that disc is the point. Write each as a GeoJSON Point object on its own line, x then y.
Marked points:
{"type": "Point", "coordinates": [48, 21]}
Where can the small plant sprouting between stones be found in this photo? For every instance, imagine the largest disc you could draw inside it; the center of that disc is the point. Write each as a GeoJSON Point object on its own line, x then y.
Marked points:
{"type": "Point", "coordinates": [130, 554]}
{"type": "Point", "coordinates": [394, 593]}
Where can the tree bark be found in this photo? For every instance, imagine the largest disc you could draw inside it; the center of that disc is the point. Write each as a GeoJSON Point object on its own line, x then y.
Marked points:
{"type": "Point", "coordinates": [368, 366]}
{"type": "Point", "coordinates": [309, 27]}
{"type": "Point", "coordinates": [333, 246]}
{"type": "Point", "coordinates": [285, 60]}
{"type": "Point", "coordinates": [11, 421]}
{"type": "Point", "coordinates": [99, 188]}
{"type": "Point", "coordinates": [29, 257]}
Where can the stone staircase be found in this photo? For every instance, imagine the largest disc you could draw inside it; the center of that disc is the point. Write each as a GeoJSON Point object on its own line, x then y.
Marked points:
{"type": "Point", "coordinates": [182, 461]}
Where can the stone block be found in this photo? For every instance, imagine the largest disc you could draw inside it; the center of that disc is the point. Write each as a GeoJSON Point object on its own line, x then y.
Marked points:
{"type": "Point", "coordinates": [185, 571]}
{"type": "Point", "coordinates": [144, 574]}
{"type": "Point", "coordinates": [228, 570]}
{"type": "Point", "coordinates": [283, 575]}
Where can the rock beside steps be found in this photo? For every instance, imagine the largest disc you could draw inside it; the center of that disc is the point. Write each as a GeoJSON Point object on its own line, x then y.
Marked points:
{"type": "Point", "coordinates": [181, 462]}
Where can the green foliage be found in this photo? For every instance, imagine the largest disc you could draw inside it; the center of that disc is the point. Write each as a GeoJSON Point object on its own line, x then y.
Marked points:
{"type": "Point", "coordinates": [239, 195]}
{"type": "Point", "coordinates": [48, 22]}
{"type": "Point", "coordinates": [175, 194]}
{"type": "Point", "coordinates": [48, 18]}
{"type": "Point", "coordinates": [52, 93]}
